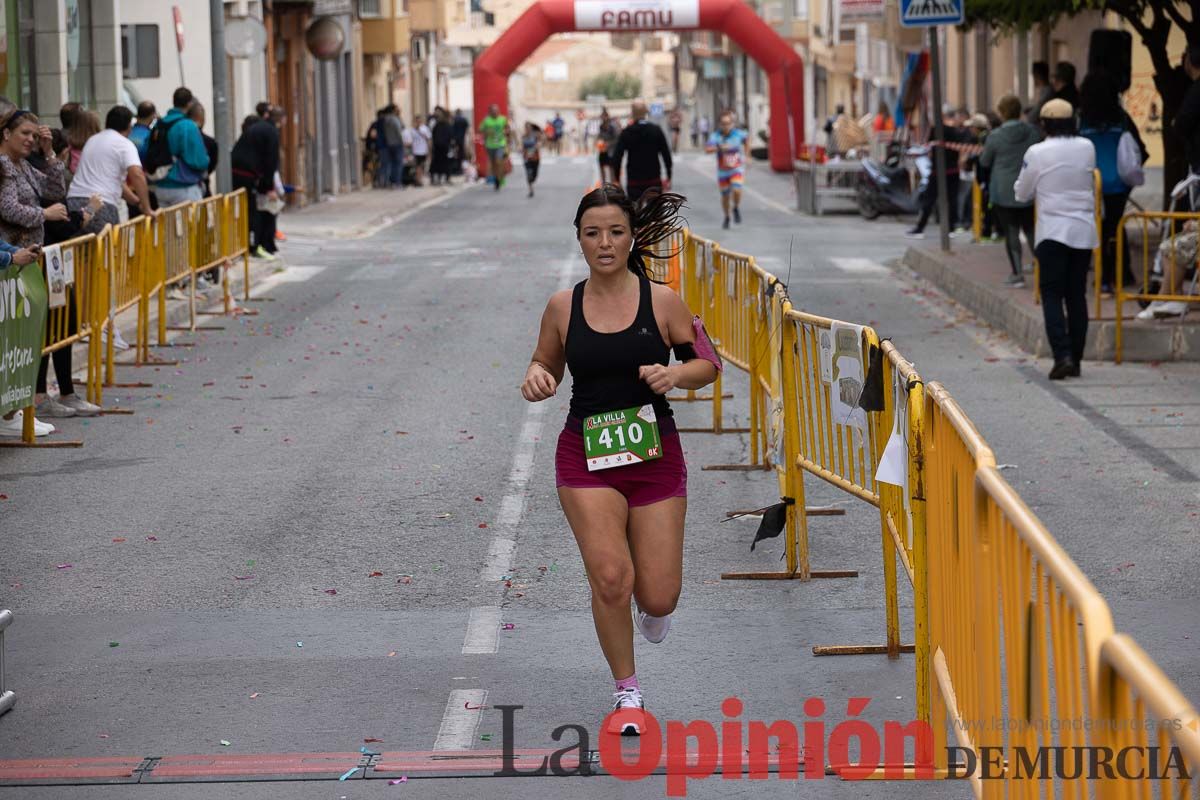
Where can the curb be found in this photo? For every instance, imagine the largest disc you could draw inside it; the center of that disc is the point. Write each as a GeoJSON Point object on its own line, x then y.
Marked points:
{"type": "Point", "coordinates": [374, 225]}
{"type": "Point", "coordinates": [1143, 341]}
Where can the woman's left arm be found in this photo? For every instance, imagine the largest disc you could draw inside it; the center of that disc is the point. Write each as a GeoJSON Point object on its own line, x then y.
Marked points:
{"type": "Point", "coordinates": [695, 373]}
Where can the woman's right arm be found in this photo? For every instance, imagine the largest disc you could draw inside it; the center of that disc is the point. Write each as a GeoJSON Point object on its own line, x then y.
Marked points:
{"type": "Point", "coordinates": [549, 360]}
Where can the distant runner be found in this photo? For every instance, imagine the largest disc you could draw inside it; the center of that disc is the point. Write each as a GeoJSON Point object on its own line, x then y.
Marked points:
{"type": "Point", "coordinates": [729, 144]}
{"type": "Point", "coordinates": [530, 152]}
{"type": "Point", "coordinates": [646, 145]}
{"type": "Point", "coordinates": [494, 130]}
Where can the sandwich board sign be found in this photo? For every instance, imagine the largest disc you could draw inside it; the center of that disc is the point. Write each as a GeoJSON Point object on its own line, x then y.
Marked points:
{"type": "Point", "coordinates": [922, 13]}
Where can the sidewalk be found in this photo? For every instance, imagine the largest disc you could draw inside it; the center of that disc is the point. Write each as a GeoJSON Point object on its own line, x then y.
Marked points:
{"type": "Point", "coordinates": [363, 213]}
{"type": "Point", "coordinates": [974, 274]}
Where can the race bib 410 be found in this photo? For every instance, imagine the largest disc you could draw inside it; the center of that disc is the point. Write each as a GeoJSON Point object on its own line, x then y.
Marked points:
{"type": "Point", "coordinates": [620, 438]}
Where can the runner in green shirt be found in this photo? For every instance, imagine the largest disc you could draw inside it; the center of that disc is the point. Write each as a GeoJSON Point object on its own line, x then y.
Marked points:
{"type": "Point", "coordinates": [495, 140]}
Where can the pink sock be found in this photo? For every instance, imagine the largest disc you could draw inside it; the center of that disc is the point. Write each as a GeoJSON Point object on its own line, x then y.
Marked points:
{"type": "Point", "coordinates": [628, 683]}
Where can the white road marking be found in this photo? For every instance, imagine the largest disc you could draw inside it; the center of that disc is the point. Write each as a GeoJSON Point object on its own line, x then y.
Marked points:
{"type": "Point", "coordinates": [860, 265]}
{"type": "Point", "coordinates": [499, 558]}
{"type": "Point", "coordinates": [483, 631]}
{"type": "Point", "coordinates": [290, 274]}
{"type": "Point", "coordinates": [459, 723]}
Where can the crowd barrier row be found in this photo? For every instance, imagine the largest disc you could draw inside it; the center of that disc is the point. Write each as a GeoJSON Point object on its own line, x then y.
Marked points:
{"type": "Point", "coordinates": [135, 264]}
{"type": "Point", "coordinates": [1014, 648]}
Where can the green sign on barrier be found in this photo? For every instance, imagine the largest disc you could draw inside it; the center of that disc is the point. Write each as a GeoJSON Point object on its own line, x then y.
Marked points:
{"type": "Point", "coordinates": [22, 330]}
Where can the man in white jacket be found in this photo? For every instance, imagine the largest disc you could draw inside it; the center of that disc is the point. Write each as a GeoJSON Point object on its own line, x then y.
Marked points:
{"type": "Point", "coordinates": [1057, 175]}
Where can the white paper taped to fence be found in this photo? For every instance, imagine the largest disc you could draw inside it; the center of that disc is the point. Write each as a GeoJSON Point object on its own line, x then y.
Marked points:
{"type": "Point", "coordinates": [848, 375]}
{"type": "Point", "coordinates": [893, 464]}
{"type": "Point", "coordinates": [636, 15]}
{"type": "Point", "coordinates": [68, 258]}
{"type": "Point", "coordinates": [56, 280]}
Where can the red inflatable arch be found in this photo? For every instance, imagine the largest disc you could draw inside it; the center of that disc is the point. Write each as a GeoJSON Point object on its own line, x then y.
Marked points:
{"type": "Point", "coordinates": [734, 18]}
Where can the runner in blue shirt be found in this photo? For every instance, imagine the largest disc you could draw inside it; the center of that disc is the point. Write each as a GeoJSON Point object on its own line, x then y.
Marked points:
{"type": "Point", "coordinates": [729, 144]}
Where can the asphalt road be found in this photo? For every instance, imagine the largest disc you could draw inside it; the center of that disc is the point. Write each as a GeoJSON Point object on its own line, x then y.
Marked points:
{"type": "Point", "coordinates": [301, 539]}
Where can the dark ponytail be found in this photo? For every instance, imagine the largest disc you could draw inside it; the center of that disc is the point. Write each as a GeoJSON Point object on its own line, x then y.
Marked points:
{"type": "Point", "coordinates": [653, 220]}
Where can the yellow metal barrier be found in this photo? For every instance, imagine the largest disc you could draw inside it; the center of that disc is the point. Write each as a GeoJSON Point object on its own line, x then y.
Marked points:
{"type": "Point", "coordinates": [1132, 689]}
{"type": "Point", "coordinates": [79, 319]}
{"type": "Point", "coordinates": [173, 264]}
{"type": "Point", "coordinates": [235, 239]}
{"type": "Point", "coordinates": [1098, 253]}
{"type": "Point", "coordinates": [1171, 224]}
{"type": "Point", "coordinates": [130, 253]}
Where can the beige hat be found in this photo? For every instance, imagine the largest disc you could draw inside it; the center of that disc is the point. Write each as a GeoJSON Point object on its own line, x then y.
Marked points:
{"type": "Point", "coordinates": [1056, 109]}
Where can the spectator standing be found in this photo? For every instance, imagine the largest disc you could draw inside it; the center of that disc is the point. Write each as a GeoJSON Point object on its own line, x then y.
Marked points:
{"type": "Point", "coordinates": [882, 123]}
{"type": "Point", "coordinates": [254, 161]}
{"type": "Point", "coordinates": [929, 197]}
{"type": "Point", "coordinates": [1187, 119]}
{"type": "Point", "coordinates": [1063, 83]}
{"type": "Point", "coordinates": [84, 125]}
{"type": "Point", "coordinates": [416, 139]}
{"type": "Point", "coordinates": [108, 164]}
{"type": "Point", "coordinates": [185, 146]}
{"type": "Point", "coordinates": [703, 127]}
{"type": "Point", "coordinates": [461, 128]}
{"type": "Point", "coordinates": [442, 138]}
{"type": "Point", "coordinates": [372, 158]}
{"type": "Point", "coordinates": [1057, 173]}
{"type": "Point", "coordinates": [393, 147]}
{"type": "Point", "coordinates": [24, 190]}
{"type": "Point", "coordinates": [1102, 121]}
{"type": "Point", "coordinates": [646, 146]}
{"type": "Point", "coordinates": [140, 135]}
{"type": "Point", "coordinates": [1002, 155]}
{"type": "Point", "coordinates": [196, 114]}
{"type": "Point", "coordinates": [1042, 91]}
{"type": "Point", "coordinates": [606, 143]}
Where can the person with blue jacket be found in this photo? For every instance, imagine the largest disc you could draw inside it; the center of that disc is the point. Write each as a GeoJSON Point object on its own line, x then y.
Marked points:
{"type": "Point", "coordinates": [183, 182]}
{"type": "Point", "coordinates": [1119, 157]}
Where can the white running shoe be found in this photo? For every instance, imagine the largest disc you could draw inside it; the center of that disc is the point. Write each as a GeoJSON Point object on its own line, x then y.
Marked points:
{"type": "Point", "coordinates": [50, 407]}
{"type": "Point", "coordinates": [628, 725]}
{"type": "Point", "coordinates": [1160, 309]}
{"type": "Point", "coordinates": [13, 427]}
{"type": "Point", "coordinates": [82, 407]}
{"type": "Point", "coordinates": [654, 629]}
{"type": "Point", "coordinates": [119, 342]}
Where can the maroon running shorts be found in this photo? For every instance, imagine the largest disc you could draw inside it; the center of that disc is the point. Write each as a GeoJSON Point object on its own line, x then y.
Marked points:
{"type": "Point", "coordinates": [640, 484]}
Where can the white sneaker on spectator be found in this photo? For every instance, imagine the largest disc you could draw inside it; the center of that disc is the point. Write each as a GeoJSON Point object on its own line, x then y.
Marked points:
{"type": "Point", "coordinates": [175, 293]}
{"type": "Point", "coordinates": [82, 407]}
{"type": "Point", "coordinates": [203, 283]}
{"type": "Point", "coordinates": [119, 342]}
{"type": "Point", "coordinates": [1163, 308]}
{"type": "Point", "coordinates": [14, 426]}
{"type": "Point", "coordinates": [50, 407]}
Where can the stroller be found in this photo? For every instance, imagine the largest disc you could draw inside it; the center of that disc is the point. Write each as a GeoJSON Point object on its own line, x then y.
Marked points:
{"type": "Point", "coordinates": [1179, 249]}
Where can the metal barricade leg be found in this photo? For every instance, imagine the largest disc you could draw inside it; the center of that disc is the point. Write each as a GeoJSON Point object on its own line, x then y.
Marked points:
{"type": "Point", "coordinates": [7, 697]}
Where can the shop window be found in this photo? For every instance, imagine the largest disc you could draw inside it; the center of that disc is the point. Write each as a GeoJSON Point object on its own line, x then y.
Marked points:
{"type": "Point", "coordinates": [369, 9]}
{"type": "Point", "coordinates": [139, 51]}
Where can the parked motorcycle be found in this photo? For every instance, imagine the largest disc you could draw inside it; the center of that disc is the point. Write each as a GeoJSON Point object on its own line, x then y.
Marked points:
{"type": "Point", "coordinates": [885, 187]}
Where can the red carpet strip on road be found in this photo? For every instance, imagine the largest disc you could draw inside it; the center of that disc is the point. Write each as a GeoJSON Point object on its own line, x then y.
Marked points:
{"type": "Point", "coordinates": [233, 767]}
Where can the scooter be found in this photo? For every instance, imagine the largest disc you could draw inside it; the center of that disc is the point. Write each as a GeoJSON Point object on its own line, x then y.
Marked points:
{"type": "Point", "coordinates": [885, 187]}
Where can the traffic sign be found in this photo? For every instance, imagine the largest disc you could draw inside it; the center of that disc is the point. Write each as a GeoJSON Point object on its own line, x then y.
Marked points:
{"type": "Point", "coordinates": [922, 13]}
{"type": "Point", "coordinates": [656, 109]}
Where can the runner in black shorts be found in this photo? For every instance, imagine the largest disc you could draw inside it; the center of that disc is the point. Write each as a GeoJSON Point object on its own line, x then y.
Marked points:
{"type": "Point", "coordinates": [615, 332]}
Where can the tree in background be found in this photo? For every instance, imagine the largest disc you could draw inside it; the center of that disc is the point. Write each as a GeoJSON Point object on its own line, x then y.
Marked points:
{"type": "Point", "coordinates": [612, 85]}
{"type": "Point", "coordinates": [1151, 20]}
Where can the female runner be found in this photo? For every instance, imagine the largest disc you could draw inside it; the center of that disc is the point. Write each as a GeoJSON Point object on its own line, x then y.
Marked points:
{"type": "Point", "coordinates": [615, 332]}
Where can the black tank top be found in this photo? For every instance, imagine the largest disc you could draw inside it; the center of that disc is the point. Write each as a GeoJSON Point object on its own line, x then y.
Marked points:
{"type": "Point", "coordinates": [604, 366]}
